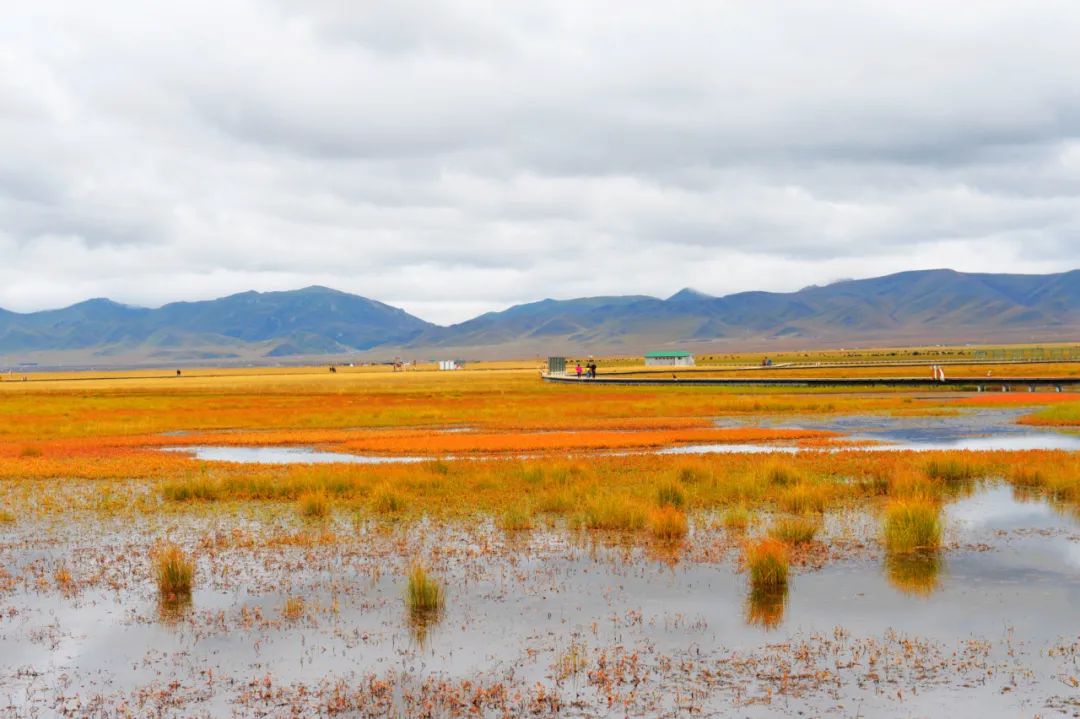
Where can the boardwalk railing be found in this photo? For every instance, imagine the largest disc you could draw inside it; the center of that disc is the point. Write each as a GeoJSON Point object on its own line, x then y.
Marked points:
{"type": "Point", "coordinates": [980, 384]}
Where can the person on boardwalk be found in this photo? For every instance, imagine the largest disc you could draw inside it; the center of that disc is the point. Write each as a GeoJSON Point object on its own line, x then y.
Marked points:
{"type": "Point", "coordinates": [577, 370]}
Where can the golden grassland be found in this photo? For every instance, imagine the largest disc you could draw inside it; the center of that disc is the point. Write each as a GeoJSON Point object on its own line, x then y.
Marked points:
{"type": "Point", "coordinates": [549, 450]}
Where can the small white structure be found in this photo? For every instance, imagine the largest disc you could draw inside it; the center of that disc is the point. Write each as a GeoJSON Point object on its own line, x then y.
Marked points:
{"type": "Point", "coordinates": [677, 358]}
{"type": "Point", "coordinates": [450, 364]}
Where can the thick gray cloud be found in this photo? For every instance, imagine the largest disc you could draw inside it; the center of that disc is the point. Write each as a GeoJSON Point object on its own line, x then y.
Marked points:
{"type": "Point", "coordinates": [456, 157]}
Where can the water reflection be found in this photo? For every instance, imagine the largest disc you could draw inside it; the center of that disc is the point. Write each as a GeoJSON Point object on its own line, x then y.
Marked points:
{"type": "Point", "coordinates": [421, 622]}
{"type": "Point", "coordinates": [765, 607]}
{"type": "Point", "coordinates": [668, 553]}
{"type": "Point", "coordinates": [172, 610]}
{"type": "Point", "coordinates": [1033, 441]}
{"type": "Point", "coordinates": [916, 573]}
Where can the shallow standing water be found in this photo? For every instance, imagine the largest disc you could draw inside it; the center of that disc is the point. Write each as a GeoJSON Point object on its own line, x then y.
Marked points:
{"type": "Point", "coordinates": [285, 455]}
{"type": "Point", "coordinates": [979, 430]}
{"type": "Point", "coordinates": [975, 631]}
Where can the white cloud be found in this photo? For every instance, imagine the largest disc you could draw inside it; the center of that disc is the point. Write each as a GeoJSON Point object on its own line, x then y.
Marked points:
{"type": "Point", "coordinates": [453, 157]}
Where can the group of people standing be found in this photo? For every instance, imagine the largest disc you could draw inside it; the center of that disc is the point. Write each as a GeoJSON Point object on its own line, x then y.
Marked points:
{"type": "Point", "coordinates": [589, 370]}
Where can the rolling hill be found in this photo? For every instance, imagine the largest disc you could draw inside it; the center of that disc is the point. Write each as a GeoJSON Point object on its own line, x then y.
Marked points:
{"type": "Point", "coordinates": [313, 321]}
{"type": "Point", "coordinates": [909, 307]}
{"type": "Point", "coordinates": [904, 308]}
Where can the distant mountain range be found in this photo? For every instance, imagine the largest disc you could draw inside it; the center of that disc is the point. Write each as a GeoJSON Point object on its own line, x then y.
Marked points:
{"type": "Point", "coordinates": [317, 322]}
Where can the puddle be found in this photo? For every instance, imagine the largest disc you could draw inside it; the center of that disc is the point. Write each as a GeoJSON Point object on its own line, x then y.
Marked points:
{"type": "Point", "coordinates": [285, 455]}
{"type": "Point", "coordinates": [1034, 440]}
{"type": "Point", "coordinates": [919, 429]}
{"type": "Point", "coordinates": [985, 430]}
{"type": "Point", "coordinates": [987, 616]}
{"type": "Point", "coordinates": [977, 430]}
{"type": "Point", "coordinates": [307, 455]}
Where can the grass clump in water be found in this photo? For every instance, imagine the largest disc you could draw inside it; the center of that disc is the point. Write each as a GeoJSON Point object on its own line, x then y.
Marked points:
{"type": "Point", "coordinates": [804, 498]}
{"type": "Point", "coordinates": [737, 519]}
{"type": "Point", "coordinates": [294, 608]}
{"type": "Point", "coordinates": [314, 505]}
{"type": "Point", "coordinates": [1026, 477]}
{"type": "Point", "coordinates": [610, 512]}
{"type": "Point", "coordinates": [794, 530]}
{"type": "Point", "coordinates": [423, 593]}
{"type": "Point", "coordinates": [575, 659]}
{"type": "Point", "coordinates": [518, 518]}
{"type": "Point", "coordinates": [555, 502]}
{"type": "Point", "coordinates": [64, 581]}
{"type": "Point", "coordinates": [175, 573]}
{"type": "Point", "coordinates": [781, 476]}
{"type": "Point", "coordinates": [668, 523]}
{"type": "Point", "coordinates": [670, 494]}
{"type": "Point", "coordinates": [386, 500]}
{"type": "Point", "coordinates": [949, 470]}
{"type": "Point", "coordinates": [767, 561]}
{"type": "Point", "coordinates": [689, 474]}
{"type": "Point", "coordinates": [203, 489]}
{"type": "Point", "coordinates": [912, 524]}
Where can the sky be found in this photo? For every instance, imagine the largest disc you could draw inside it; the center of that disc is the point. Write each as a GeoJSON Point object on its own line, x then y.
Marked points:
{"type": "Point", "coordinates": [453, 158]}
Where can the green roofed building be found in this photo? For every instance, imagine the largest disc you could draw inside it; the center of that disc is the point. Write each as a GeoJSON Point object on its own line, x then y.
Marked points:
{"type": "Point", "coordinates": [678, 358]}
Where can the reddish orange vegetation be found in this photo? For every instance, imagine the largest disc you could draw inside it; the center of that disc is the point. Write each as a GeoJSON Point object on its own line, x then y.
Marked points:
{"type": "Point", "coordinates": [116, 431]}
{"type": "Point", "coordinates": [835, 442]}
{"type": "Point", "coordinates": [462, 443]}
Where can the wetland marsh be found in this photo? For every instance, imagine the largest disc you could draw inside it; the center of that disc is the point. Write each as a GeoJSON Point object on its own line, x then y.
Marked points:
{"type": "Point", "coordinates": [581, 568]}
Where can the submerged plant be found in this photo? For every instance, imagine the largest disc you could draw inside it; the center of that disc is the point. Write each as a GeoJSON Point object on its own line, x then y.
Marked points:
{"type": "Point", "coordinates": [571, 661]}
{"type": "Point", "coordinates": [64, 581]}
{"type": "Point", "coordinates": [294, 608]}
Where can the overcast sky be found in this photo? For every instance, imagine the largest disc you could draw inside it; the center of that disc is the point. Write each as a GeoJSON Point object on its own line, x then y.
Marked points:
{"type": "Point", "coordinates": [457, 157]}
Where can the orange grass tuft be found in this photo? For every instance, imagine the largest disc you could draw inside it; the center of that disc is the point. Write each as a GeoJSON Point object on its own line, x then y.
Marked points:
{"type": "Point", "coordinates": [668, 523]}
{"type": "Point", "coordinates": [767, 561]}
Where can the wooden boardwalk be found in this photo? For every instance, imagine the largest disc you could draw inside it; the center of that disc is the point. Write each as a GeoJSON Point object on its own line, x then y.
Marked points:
{"type": "Point", "coordinates": [980, 384]}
